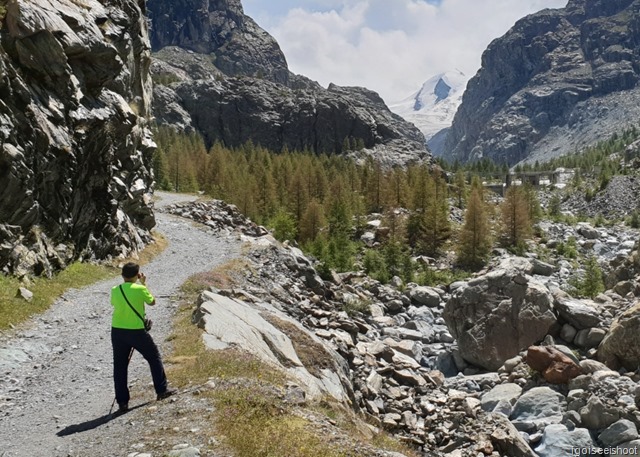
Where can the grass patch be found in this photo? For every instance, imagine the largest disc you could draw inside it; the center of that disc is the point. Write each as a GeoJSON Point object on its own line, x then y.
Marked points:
{"type": "Point", "coordinates": [256, 424]}
{"type": "Point", "coordinates": [222, 277]}
{"type": "Point", "coordinates": [14, 310]}
{"type": "Point", "coordinates": [46, 291]}
{"type": "Point", "coordinates": [312, 354]}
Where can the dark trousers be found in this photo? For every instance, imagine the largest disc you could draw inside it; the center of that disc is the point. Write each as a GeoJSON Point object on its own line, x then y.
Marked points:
{"type": "Point", "coordinates": [123, 340]}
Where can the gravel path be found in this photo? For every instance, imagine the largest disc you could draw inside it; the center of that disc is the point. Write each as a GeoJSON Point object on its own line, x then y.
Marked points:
{"type": "Point", "coordinates": [56, 371]}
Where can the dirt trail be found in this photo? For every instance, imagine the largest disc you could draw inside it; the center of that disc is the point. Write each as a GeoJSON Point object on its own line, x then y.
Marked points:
{"type": "Point", "coordinates": [56, 371]}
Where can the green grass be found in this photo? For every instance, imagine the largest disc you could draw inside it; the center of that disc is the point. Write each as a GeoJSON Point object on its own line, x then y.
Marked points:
{"type": "Point", "coordinates": [14, 310]}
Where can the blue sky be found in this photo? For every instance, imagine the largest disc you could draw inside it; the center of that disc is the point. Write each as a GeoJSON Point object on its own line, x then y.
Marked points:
{"type": "Point", "coordinates": [390, 46]}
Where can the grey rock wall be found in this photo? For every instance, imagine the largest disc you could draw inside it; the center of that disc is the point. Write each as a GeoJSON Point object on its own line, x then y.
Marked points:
{"type": "Point", "coordinates": [558, 80]}
{"type": "Point", "coordinates": [225, 77]}
{"type": "Point", "coordinates": [75, 150]}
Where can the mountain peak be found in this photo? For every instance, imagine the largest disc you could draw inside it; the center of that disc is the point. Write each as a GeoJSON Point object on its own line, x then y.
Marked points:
{"type": "Point", "coordinates": [432, 108]}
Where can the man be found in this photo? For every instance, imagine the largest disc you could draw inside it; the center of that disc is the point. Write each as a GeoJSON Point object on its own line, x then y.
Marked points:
{"type": "Point", "coordinates": [128, 333]}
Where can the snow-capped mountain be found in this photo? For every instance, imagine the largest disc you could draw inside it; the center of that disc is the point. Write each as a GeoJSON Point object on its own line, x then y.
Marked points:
{"type": "Point", "coordinates": [432, 108]}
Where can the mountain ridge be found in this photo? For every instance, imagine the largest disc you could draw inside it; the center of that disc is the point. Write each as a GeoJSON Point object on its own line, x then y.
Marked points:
{"type": "Point", "coordinates": [247, 100]}
{"type": "Point", "coordinates": [559, 79]}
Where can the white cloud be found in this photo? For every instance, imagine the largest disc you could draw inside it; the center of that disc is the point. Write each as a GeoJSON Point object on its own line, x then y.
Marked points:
{"type": "Point", "coordinates": [390, 49]}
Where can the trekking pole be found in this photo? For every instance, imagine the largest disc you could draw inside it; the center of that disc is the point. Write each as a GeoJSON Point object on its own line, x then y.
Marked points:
{"type": "Point", "coordinates": [114, 398]}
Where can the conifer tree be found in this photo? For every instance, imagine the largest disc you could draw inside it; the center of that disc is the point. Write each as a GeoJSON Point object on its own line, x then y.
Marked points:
{"type": "Point", "coordinates": [460, 181]}
{"type": "Point", "coordinates": [161, 169]}
{"type": "Point", "coordinates": [298, 194]}
{"type": "Point", "coordinates": [435, 225]}
{"type": "Point", "coordinates": [516, 224]}
{"type": "Point", "coordinates": [475, 236]}
{"type": "Point", "coordinates": [312, 221]}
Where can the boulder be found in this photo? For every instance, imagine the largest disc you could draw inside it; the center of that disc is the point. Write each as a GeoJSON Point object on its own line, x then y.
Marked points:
{"type": "Point", "coordinates": [621, 345]}
{"type": "Point", "coordinates": [555, 366]}
{"type": "Point", "coordinates": [502, 392]}
{"type": "Point", "coordinates": [425, 296]}
{"type": "Point", "coordinates": [581, 314]}
{"type": "Point", "coordinates": [538, 408]}
{"type": "Point", "coordinates": [495, 316]}
{"type": "Point", "coordinates": [558, 441]}
{"type": "Point", "coordinates": [619, 432]}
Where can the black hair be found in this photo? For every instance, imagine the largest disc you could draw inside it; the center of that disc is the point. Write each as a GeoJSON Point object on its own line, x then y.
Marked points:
{"type": "Point", "coordinates": [130, 270]}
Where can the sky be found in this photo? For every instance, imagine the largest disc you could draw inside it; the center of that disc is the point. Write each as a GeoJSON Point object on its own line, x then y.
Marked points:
{"type": "Point", "coordinates": [390, 46]}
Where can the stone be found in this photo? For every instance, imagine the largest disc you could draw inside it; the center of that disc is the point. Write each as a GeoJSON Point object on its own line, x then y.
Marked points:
{"type": "Point", "coordinates": [591, 366]}
{"type": "Point", "coordinates": [184, 450]}
{"type": "Point", "coordinates": [568, 333]}
{"type": "Point", "coordinates": [425, 296]}
{"type": "Point", "coordinates": [497, 315]}
{"type": "Point", "coordinates": [589, 338]}
{"type": "Point", "coordinates": [542, 268]}
{"type": "Point", "coordinates": [506, 439]}
{"type": "Point", "coordinates": [502, 392]}
{"type": "Point", "coordinates": [539, 407]}
{"type": "Point", "coordinates": [581, 314]}
{"type": "Point", "coordinates": [554, 365]}
{"type": "Point", "coordinates": [558, 441]}
{"type": "Point", "coordinates": [596, 415]}
{"type": "Point", "coordinates": [588, 231]}
{"type": "Point", "coordinates": [619, 432]}
{"type": "Point", "coordinates": [25, 294]}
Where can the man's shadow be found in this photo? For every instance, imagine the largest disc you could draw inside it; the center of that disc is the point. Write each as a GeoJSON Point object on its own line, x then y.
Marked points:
{"type": "Point", "coordinates": [95, 423]}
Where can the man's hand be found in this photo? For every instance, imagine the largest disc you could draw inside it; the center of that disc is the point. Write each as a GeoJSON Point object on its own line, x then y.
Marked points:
{"type": "Point", "coordinates": [142, 278]}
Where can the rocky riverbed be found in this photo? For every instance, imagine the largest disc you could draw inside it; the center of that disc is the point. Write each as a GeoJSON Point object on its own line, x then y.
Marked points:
{"type": "Point", "coordinates": [507, 363]}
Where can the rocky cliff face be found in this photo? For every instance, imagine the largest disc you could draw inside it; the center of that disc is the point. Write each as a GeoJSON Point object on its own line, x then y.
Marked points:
{"type": "Point", "coordinates": [559, 79]}
{"type": "Point", "coordinates": [75, 154]}
{"type": "Point", "coordinates": [224, 76]}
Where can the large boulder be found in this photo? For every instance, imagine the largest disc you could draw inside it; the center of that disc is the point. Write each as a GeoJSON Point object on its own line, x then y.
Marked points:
{"type": "Point", "coordinates": [497, 315]}
{"type": "Point", "coordinates": [621, 346]}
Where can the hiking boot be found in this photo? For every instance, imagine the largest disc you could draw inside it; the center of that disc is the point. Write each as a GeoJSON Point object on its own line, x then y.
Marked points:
{"type": "Point", "coordinates": [166, 394]}
{"type": "Point", "coordinates": [123, 407]}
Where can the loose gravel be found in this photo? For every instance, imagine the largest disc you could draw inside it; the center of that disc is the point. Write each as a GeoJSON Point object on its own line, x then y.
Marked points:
{"type": "Point", "coordinates": [55, 371]}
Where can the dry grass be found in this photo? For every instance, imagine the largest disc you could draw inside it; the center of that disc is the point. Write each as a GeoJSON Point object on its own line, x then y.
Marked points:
{"type": "Point", "coordinates": [46, 291]}
{"type": "Point", "coordinates": [312, 354]}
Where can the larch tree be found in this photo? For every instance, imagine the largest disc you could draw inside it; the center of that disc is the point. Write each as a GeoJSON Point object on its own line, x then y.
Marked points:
{"type": "Point", "coordinates": [475, 237]}
{"type": "Point", "coordinates": [516, 223]}
{"type": "Point", "coordinates": [312, 221]}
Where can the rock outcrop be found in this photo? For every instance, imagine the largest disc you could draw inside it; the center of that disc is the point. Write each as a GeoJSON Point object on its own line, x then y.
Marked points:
{"type": "Point", "coordinates": [75, 150]}
{"type": "Point", "coordinates": [557, 80]}
{"type": "Point", "coordinates": [220, 74]}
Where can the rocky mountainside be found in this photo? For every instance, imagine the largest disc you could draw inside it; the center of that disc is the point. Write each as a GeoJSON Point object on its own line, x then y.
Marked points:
{"type": "Point", "coordinates": [75, 155]}
{"type": "Point", "coordinates": [433, 107]}
{"type": "Point", "coordinates": [220, 74]}
{"type": "Point", "coordinates": [558, 80]}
